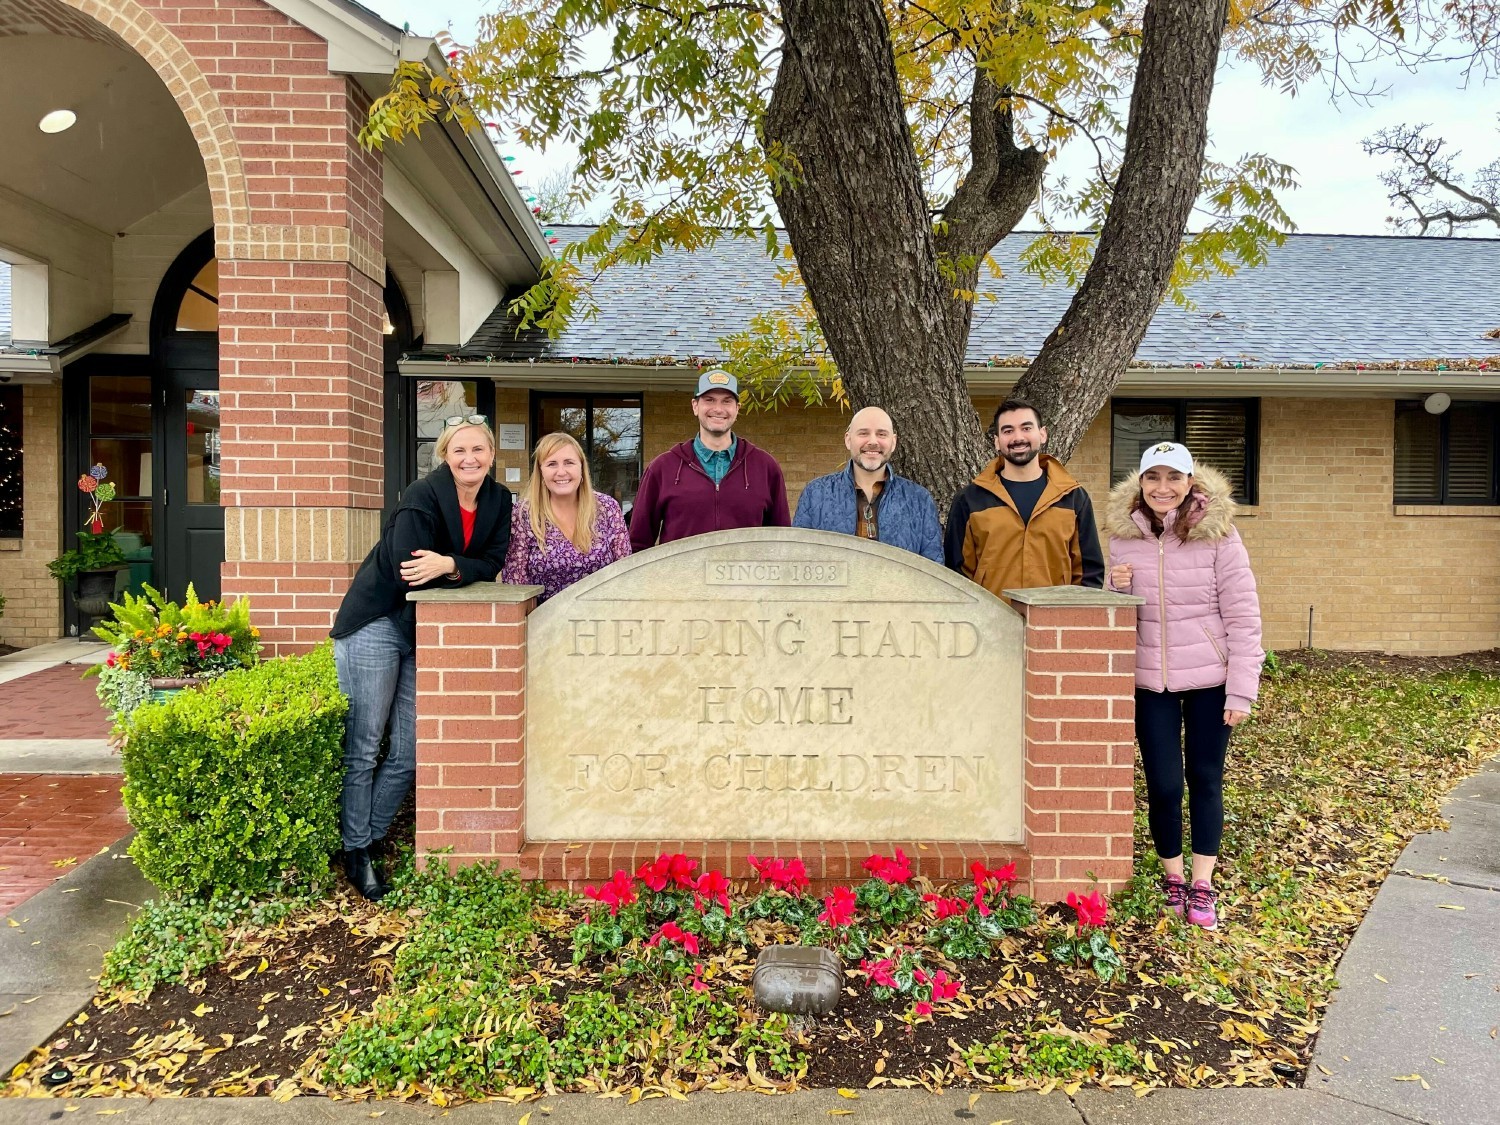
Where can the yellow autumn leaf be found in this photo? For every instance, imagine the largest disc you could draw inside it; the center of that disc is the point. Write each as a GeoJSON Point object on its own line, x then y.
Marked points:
{"type": "Point", "coordinates": [202, 1010]}
{"type": "Point", "coordinates": [839, 1112]}
{"type": "Point", "coordinates": [525, 1117]}
{"type": "Point", "coordinates": [845, 1092]}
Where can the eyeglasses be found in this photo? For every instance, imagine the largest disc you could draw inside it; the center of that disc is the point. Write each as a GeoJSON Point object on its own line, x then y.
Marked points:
{"type": "Point", "coordinates": [464, 420]}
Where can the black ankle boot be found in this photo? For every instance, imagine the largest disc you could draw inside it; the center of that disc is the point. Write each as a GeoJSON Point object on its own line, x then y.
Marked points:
{"type": "Point", "coordinates": [360, 871]}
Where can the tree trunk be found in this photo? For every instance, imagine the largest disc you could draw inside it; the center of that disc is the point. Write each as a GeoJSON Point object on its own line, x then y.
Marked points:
{"type": "Point", "coordinates": [863, 236]}
{"type": "Point", "coordinates": [858, 221]}
{"type": "Point", "coordinates": [1083, 358]}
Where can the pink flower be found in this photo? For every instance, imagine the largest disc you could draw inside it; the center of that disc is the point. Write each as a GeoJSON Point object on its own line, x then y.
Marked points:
{"type": "Point", "coordinates": [110, 660]}
{"type": "Point", "coordinates": [1091, 910]}
{"type": "Point", "coordinates": [671, 931]}
{"type": "Point", "coordinates": [944, 988]}
{"type": "Point", "coordinates": [712, 887]}
{"type": "Point", "coordinates": [699, 984]}
{"type": "Point", "coordinates": [838, 907]}
{"type": "Point", "coordinates": [893, 871]}
{"type": "Point", "coordinates": [919, 976]}
{"type": "Point", "coordinates": [616, 893]}
{"type": "Point", "coordinates": [993, 879]}
{"type": "Point", "coordinates": [979, 903]}
{"type": "Point", "coordinates": [680, 868]}
{"type": "Point", "coordinates": [880, 972]}
{"type": "Point", "coordinates": [947, 907]}
{"type": "Point", "coordinates": [922, 1008]}
{"type": "Point", "coordinates": [784, 874]}
{"type": "Point", "coordinates": [654, 874]}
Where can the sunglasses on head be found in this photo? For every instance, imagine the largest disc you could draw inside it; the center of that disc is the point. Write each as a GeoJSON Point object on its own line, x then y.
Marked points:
{"type": "Point", "coordinates": [464, 420]}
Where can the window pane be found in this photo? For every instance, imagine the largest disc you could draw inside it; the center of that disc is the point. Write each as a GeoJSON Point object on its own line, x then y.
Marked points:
{"type": "Point", "coordinates": [1217, 433]}
{"type": "Point", "coordinates": [568, 414]}
{"type": "Point", "coordinates": [1137, 427]}
{"type": "Point", "coordinates": [202, 447]}
{"type": "Point", "coordinates": [199, 311]}
{"type": "Point", "coordinates": [1418, 453]}
{"type": "Point", "coordinates": [438, 399]}
{"type": "Point", "coordinates": [1471, 454]}
{"type": "Point", "coordinates": [11, 504]}
{"type": "Point", "coordinates": [132, 518]}
{"type": "Point", "coordinates": [128, 461]}
{"type": "Point", "coordinates": [120, 404]}
{"type": "Point", "coordinates": [615, 456]}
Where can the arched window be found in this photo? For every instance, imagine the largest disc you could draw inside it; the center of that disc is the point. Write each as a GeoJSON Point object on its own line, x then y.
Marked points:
{"type": "Point", "coordinates": [199, 309]}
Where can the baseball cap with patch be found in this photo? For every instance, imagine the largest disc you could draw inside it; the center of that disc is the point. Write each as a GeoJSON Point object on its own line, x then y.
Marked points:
{"type": "Point", "coordinates": [1168, 454]}
{"type": "Point", "coordinates": [717, 379]}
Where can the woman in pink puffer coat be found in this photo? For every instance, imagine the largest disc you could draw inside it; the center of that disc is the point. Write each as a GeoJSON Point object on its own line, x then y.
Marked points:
{"type": "Point", "coordinates": [1172, 542]}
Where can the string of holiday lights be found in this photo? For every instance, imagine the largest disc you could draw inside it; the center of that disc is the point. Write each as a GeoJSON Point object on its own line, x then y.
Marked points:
{"type": "Point", "coordinates": [11, 501]}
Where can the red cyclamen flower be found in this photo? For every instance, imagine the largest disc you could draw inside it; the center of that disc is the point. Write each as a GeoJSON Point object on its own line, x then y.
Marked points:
{"type": "Point", "coordinates": [712, 887]}
{"type": "Point", "coordinates": [1091, 910]}
{"type": "Point", "coordinates": [838, 907]}
{"type": "Point", "coordinates": [616, 893]}
{"type": "Point", "coordinates": [880, 972]}
{"type": "Point", "coordinates": [944, 988]}
{"type": "Point", "coordinates": [946, 907]}
{"type": "Point", "coordinates": [671, 931]}
{"type": "Point", "coordinates": [784, 874]}
{"type": "Point", "coordinates": [894, 871]}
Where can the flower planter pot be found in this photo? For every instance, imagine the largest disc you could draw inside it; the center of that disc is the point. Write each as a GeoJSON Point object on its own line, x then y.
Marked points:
{"type": "Point", "coordinates": [92, 596]}
{"type": "Point", "coordinates": [163, 687]}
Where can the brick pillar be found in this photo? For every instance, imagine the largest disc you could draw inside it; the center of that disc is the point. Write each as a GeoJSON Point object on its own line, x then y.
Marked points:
{"type": "Point", "coordinates": [1080, 737]}
{"type": "Point", "coordinates": [471, 722]}
{"type": "Point", "coordinates": [300, 345]}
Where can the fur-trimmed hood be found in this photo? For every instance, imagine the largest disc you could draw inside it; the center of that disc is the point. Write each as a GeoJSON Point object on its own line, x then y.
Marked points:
{"type": "Point", "coordinates": [1211, 516]}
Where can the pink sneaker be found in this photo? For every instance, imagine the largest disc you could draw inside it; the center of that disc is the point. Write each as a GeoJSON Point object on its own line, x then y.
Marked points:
{"type": "Point", "coordinates": [1202, 906]}
{"type": "Point", "coordinates": [1174, 887]}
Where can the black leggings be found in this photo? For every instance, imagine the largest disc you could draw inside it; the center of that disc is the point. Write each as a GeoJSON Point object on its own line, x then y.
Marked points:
{"type": "Point", "coordinates": [1160, 717]}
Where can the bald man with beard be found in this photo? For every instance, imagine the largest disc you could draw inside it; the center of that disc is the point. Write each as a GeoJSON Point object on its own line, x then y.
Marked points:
{"type": "Point", "coordinates": [866, 498]}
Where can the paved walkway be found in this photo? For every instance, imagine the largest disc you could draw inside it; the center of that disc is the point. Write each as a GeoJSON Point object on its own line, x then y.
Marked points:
{"type": "Point", "coordinates": [59, 784]}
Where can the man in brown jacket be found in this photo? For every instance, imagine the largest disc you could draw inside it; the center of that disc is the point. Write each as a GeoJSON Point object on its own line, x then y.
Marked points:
{"type": "Point", "coordinates": [1024, 522]}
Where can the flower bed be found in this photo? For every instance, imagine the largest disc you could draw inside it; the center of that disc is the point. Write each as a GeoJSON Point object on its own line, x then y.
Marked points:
{"type": "Point", "coordinates": [474, 984]}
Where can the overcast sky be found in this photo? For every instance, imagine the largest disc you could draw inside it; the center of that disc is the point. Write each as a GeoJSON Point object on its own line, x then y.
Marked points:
{"type": "Point", "coordinates": [1340, 190]}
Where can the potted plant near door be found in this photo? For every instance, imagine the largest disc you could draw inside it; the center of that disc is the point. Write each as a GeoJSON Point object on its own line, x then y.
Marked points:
{"type": "Point", "coordinates": [93, 566]}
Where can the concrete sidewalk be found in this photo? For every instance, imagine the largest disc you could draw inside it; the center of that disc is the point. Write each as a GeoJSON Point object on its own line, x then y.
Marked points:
{"type": "Point", "coordinates": [1439, 1000]}
{"type": "Point", "coordinates": [51, 720]}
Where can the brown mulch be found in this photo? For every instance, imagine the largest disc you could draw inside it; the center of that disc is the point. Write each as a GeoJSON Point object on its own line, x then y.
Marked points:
{"type": "Point", "coordinates": [1319, 660]}
{"type": "Point", "coordinates": [244, 1025]}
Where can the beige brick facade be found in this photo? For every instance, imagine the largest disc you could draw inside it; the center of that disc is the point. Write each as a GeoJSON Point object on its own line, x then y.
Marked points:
{"type": "Point", "coordinates": [1325, 533]}
{"type": "Point", "coordinates": [33, 605]}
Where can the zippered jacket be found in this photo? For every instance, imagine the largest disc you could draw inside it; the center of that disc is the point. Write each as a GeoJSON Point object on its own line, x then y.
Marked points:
{"type": "Point", "coordinates": [677, 498]}
{"type": "Point", "coordinates": [907, 515]}
{"type": "Point", "coordinates": [1059, 546]}
{"type": "Point", "coordinates": [1200, 624]}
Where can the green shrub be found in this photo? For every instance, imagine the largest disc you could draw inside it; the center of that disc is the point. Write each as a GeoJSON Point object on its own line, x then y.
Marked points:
{"type": "Point", "coordinates": [236, 786]}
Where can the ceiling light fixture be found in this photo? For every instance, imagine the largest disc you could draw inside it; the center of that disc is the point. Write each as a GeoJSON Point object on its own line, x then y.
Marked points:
{"type": "Point", "coordinates": [58, 121]}
{"type": "Point", "coordinates": [1437, 402]}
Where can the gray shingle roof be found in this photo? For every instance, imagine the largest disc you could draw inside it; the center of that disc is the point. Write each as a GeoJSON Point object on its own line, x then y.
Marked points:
{"type": "Point", "coordinates": [1320, 299]}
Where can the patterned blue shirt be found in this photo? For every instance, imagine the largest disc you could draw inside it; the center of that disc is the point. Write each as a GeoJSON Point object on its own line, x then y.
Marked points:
{"type": "Point", "coordinates": [715, 462]}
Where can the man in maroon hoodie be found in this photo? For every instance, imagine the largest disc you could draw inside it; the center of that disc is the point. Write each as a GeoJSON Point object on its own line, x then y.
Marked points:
{"type": "Point", "coordinates": [713, 482]}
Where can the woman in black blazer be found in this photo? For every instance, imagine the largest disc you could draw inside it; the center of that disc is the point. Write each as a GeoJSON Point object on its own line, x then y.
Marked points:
{"type": "Point", "coordinates": [452, 527]}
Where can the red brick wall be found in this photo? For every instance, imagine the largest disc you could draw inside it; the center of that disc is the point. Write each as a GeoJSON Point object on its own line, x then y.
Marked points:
{"type": "Point", "coordinates": [1079, 799]}
{"type": "Point", "coordinates": [1080, 746]}
{"type": "Point", "coordinates": [471, 729]}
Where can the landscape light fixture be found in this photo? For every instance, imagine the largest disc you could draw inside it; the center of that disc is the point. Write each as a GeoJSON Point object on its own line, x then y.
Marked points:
{"type": "Point", "coordinates": [1437, 402]}
{"type": "Point", "coordinates": [57, 121]}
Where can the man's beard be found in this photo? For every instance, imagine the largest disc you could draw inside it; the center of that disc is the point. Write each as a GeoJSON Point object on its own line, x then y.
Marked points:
{"type": "Point", "coordinates": [861, 458]}
{"type": "Point", "coordinates": [1018, 458]}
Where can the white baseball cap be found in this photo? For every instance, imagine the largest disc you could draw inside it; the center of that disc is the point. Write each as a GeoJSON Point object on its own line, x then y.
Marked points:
{"type": "Point", "coordinates": [1170, 455]}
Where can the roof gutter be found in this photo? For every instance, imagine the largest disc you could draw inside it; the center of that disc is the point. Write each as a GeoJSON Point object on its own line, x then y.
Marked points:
{"type": "Point", "coordinates": [45, 364]}
{"type": "Point", "coordinates": [1174, 381]}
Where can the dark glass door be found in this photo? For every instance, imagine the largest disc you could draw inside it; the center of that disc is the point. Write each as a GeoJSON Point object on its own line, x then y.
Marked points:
{"type": "Point", "coordinates": [192, 519]}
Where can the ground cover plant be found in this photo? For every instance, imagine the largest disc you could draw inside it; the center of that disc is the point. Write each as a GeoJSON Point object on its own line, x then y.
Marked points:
{"type": "Point", "coordinates": [476, 985]}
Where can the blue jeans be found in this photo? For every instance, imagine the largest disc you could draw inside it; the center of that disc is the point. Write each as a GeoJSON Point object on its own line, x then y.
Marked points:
{"type": "Point", "coordinates": [378, 672]}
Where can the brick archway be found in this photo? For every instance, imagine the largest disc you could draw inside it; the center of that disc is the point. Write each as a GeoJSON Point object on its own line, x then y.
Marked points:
{"type": "Point", "coordinates": [143, 33]}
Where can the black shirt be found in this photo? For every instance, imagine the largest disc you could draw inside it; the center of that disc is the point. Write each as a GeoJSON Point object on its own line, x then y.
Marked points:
{"type": "Point", "coordinates": [1025, 493]}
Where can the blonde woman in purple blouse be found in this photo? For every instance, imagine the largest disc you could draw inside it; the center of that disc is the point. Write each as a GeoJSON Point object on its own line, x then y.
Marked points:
{"type": "Point", "coordinates": [561, 529]}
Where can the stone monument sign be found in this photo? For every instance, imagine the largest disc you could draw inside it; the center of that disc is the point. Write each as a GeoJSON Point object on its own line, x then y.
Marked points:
{"type": "Point", "coordinates": [775, 683]}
